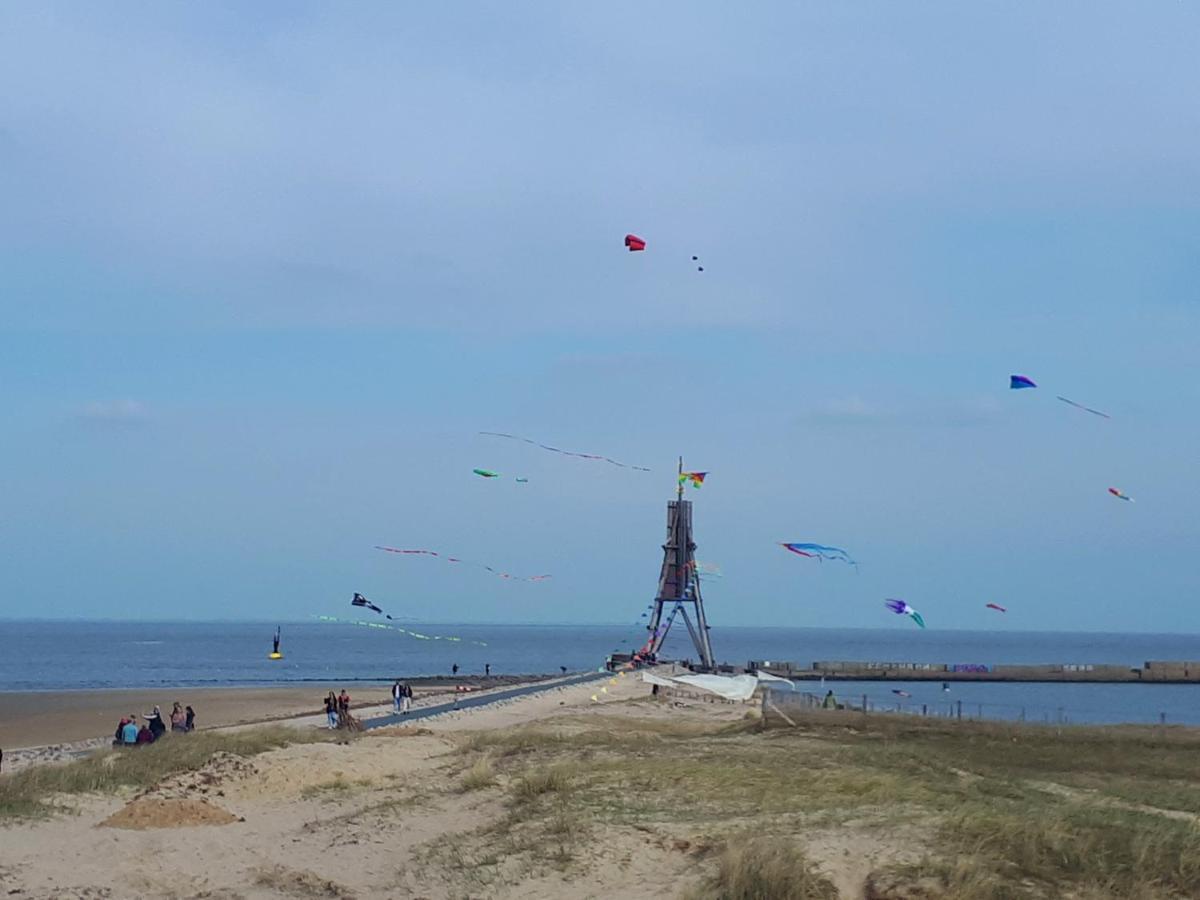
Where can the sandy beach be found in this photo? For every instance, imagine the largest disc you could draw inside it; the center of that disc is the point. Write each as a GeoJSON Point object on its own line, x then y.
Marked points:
{"type": "Point", "coordinates": [600, 789]}
{"type": "Point", "coordinates": [59, 726]}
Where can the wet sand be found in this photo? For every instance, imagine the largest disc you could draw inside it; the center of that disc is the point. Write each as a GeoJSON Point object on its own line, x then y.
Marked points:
{"type": "Point", "coordinates": [40, 718]}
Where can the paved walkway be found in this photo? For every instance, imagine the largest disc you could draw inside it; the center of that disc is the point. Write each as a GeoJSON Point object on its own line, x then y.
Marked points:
{"type": "Point", "coordinates": [472, 700]}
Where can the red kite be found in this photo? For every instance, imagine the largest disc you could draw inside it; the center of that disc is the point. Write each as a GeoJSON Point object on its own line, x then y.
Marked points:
{"type": "Point", "coordinates": [634, 243]}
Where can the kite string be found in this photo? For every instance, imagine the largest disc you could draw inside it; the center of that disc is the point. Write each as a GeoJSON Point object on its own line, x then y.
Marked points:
{"type": "Point", "coordinates": [414, 634]}
{"type": "Point", "coordinates": [465, 562]}
{"type": "Point", "coordinates": [516, 437]}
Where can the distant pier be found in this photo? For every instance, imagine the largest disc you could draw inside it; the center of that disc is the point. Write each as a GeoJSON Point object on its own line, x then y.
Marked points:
{"type": "Point", "coordinates": [1152, 672]}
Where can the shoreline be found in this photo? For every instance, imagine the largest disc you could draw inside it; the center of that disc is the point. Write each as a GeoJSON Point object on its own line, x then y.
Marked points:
{"type": "Point", "coordinates": [32, 721]}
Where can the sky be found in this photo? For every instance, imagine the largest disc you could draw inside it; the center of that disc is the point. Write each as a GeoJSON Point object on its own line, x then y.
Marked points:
{"type": "Point", "coordinates": [266, 271]}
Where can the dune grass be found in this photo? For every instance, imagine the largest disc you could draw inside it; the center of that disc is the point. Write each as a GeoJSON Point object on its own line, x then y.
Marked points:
{"type": "Point", "coordinates": [999, 811]}
{"type": "Point", "coordinates": [753, 868]}
{"type": "Point", "coordinates": [479, 776]}
{"type": "Point", "coordinates": [37, 791]}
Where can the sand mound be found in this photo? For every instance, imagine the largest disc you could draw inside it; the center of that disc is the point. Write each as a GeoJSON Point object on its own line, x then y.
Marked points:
{"type": "Point", "coordinates": [399, 731]}
{"type": "Point", "coordinates": [222, 769]}
{"type": "Point", "coordinates": [149, 812]}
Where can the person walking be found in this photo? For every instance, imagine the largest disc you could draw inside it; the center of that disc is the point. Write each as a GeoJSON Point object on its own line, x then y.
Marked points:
{"type": "Point", "coordinates": [397, 696]}
{"type": "Point", "coordinates": [406, 698]}
{"type": "Point", "coordinates": [331, 710]}
{"type": "Point", "coordinates": [487, 670]}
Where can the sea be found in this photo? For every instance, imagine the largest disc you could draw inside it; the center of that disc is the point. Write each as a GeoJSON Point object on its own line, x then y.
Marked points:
{"type": "Point", "coordinates": [77, 655]}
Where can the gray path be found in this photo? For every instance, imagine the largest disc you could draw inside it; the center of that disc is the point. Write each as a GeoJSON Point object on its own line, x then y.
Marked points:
{"type": "Point", "coordinates": [469, 701]}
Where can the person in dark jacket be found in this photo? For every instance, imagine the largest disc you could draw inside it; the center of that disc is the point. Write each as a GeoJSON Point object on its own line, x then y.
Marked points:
{"type": "Point", "coordinates": [189, 723]}
{"type": "Point", "coordinates": [156, 724]}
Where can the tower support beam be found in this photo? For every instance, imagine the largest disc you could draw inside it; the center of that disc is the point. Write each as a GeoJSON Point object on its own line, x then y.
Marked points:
{"type": "Point", "coordinates": [679, 585]}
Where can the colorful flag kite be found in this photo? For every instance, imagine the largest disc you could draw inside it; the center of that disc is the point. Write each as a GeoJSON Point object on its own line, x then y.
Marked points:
{"type": "Point", "coordinates": [1120, 495]}
{"type": "Point", "coordinates": [900, 608]}
{"type": "Point", "coordinates": [514, 437]}
{"type": "Point", "coordinates": [1094, 412]}
{"type": "Point", "coordinates": [455, 559]}
{"type": "Point", "coordinates": [820, 552]}
{"type": "Point", "coordinates": [634, 243]}
{"type": "Point", "coordinates": [334, 620]}
{"type": "Point", "coordinates": [360, 600]}
{"type": "Point", "coordinates": [996, 606]}
{"type": "Point", "coordinates": [1016, 382]}
{"type": "Point", "coordinates": [696, 478]}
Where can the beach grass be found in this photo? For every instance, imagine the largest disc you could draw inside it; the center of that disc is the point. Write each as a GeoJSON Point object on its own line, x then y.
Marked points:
{"type": "Point", "coordinates": [481, 775]}
{"type": "Point", "coordinates": [981, 809]}
{"type": "Point", "coordinates": [751, 868]}
{"type": "Point", "coordinates": [39, 790]}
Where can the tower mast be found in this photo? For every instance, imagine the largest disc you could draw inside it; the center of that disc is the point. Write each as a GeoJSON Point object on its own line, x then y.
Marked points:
{"type": "Point", "coordinates": [679, 583]}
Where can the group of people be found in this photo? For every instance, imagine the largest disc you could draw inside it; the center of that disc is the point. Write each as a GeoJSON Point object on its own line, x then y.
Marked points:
{"type": "Point", "coordinates": [337, 710]}
{"type": "Point", "coordinates": [129, 734]}
{"type": "Point", "coordinates": [402, 694]}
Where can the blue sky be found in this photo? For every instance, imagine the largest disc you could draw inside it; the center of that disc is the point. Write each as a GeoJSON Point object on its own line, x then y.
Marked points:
{"type": "Point", "coordinates": [266, 270]}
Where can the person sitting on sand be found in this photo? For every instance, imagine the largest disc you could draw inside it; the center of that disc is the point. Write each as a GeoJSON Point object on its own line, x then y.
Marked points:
{"type": "Point", "coordinates": [129, 731]}
{"type": "Point", "coordinates": [178, 718]}
{"type": "Point", "coordinates": [118, 736]}
{"type": "Point", "coordinates": [830, 701]}
{"type": "Point", "coordinates": [189, 719]}
{"type": "Point", "coordinates": [144, 736]}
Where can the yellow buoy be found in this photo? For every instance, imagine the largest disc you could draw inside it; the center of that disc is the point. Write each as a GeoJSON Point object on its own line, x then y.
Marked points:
{"type": "Point", "coordinates": [275, 656]}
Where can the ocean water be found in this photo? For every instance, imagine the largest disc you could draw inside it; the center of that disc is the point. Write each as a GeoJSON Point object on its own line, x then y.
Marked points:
{"type": "Point", "coordinates": [40, 656]}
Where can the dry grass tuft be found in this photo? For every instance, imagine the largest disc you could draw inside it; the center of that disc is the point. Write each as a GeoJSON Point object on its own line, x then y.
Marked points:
{"type": "Point", "coordinates": [481, 775]}
{"type": "Point", "coordinates": [301, 883]}
{"type": "Point", "coordinates": [760, 868]}
{"type": "Point", "coordinates": [536, 784]}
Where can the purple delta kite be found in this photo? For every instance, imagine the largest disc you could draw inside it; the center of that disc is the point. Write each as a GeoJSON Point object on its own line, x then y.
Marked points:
{"type": "Point", "coordinates": [901, 608]}
{"type": "Point", "coordinates": [1017, 382]}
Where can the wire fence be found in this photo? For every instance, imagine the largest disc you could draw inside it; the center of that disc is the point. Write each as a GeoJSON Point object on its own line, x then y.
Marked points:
{"type": "Point", "coordinates": [901, 701]}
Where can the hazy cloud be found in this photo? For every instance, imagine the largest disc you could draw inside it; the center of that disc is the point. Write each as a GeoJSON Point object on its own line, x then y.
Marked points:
{"type": "Point", "coordinates": [115, 412]}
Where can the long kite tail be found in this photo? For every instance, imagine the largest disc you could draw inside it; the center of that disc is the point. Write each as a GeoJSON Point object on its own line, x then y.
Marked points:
{"type": "Point", "coordinates": [1094, 412]}
{"type": "Point", "coordinates": [593, 456]}
{"type": "Point", "coordinates": [916, 617]}
{"type": "Point", "coordinates": [465, 562]}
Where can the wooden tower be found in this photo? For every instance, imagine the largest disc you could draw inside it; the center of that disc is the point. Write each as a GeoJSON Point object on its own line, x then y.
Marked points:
{"type": "Point", "coordinates": [679, 583]}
